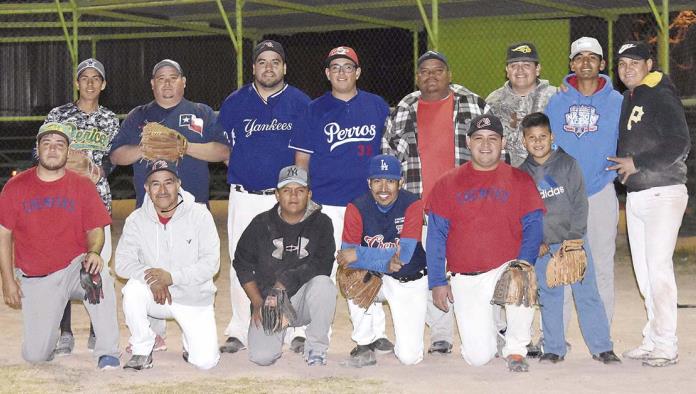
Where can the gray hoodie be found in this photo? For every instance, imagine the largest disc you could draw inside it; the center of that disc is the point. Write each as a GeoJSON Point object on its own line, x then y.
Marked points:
{"type": "Point", "coordinates": [561, 186]}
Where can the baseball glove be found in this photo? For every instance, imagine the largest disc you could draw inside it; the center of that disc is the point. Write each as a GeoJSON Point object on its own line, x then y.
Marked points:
{"type": "Point", "coordinates": [92, 283]}
{"type": "Point", "coordinates": [516, 286]}
{"type": "Point", "coordinates": [160, 142]}
{"type": "Point", "coordinates": [277, 312]}
{"type": "Point", "coordinates": [79, 162]}
{"type": "Point", "coordinates": [361, 286]}
{"type": "Point", "coordinates": [567, 265]}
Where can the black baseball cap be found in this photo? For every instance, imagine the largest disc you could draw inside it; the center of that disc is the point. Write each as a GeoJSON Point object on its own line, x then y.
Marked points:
{"type": "Point", "coordinates": [268, 45]}
{"type": "Point", "coordinates": [432, 55]}
{"type": "Point", "coordinates": [162, 165]}
{"type": "Point", "coordinates": [637, 50]}
{"type": "Point", "coordinates": [486, 122]}
{"type": "Point", "coordinates": [522, 52]}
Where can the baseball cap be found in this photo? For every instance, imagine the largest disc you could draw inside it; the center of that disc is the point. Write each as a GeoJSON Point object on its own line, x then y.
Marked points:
{"type": "Point", "coordinates": [384, 167]}
{"type": "Point", "coordinates": [522, 52]}
{"type": "Point", "coordinates": [268, 45]}
{"type": "Point", "coordinates": [637, 50]}
{"type": "Point", "coordinates": [293, 174]}
{"type": "Point", "coordinates": [585, 44]}
{"type": "Point", "coordinates": [343, 52]}
{"type": "Point", "coordinates": [67, 130]}
{"type": "Point", "coordinates": [486, 122]}
{"type": "Point", "coordinates": [167, 63]}
{"type": "Point", "coordinates": [91, 63]}
{"type": "Point", "coordinates": [432, 55]}
{"type": "Point", "coordinates": [162, 165]}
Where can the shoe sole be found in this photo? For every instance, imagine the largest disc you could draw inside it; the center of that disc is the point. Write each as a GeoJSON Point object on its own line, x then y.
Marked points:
{"type": "Point", "coordinates": [147, 366]}
{"type": "Point", "coordinates": [660, 362]}
{"type": "Point", "coordinates": [58, 353]}
{"type": "Point", "coordinates": [518, 368]}
{"type": "Point", "coordinates": [442, 352]}
{"type": "Point", "coordinates": [109, 367]}
{"type": "Point", "coordinates": [641, 358]}
{"type": "Point", "coordinates": [382, 352]}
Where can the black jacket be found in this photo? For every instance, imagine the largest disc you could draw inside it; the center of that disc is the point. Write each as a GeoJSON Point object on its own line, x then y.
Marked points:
{"type": "Point", "coordinates": [653, 131]}
{"type": "Point", "coordinates": [271, 249]}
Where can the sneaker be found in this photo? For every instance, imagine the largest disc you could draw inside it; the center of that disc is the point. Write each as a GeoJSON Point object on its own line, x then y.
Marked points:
{"type": "Point", "coordinates": [91, 342]}
{"type": "Point", "coordinates": [316, 358]}
{"type": "Point", "coordinates": [382, 346]}
{"type": "Point", "coordinates": [361, 356]}
{"type": "Point", "coordinates": [108, 362]}
{"type": "Point", "coordinates": [534, 351]}
{"type": "Point", "coordinates": [160, 345]}
{"type": "Point", "coordinates": [184, 355]}
{"type": "Point", "coordinates": [660, 359]}
{"type": "Point", "coordinates": [232, 345]}
{"type": "Point", "coordinates": [297, 345]}
{"type": "Point", "coordinates": [440, 347]}
{"type": "Point", "coordinates": [65, 345]}
{"type": "Point", "coordinates": [637, 354]}
{"type": "Point", "coordinates": [500, 343]}
{"type": "Point", "coordinates": [608, 357]}
{"type": "Point", "coordinates": [550, 358]}
{"type": "Point", "coordinates": [138, 362]}
{"type": "Point", "coordinates": [517, 363]}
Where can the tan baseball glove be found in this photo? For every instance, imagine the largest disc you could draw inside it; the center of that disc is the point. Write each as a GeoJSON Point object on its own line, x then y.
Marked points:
{"type": "Point", "coordinates": [160, 142]}
{"type": "Point", "coordinates": [79, 162]}
{"type": "Point", "coordinates": [568, 264]}
{"type": "Point", "coordinates": [361, 286]}
{"type": "Point", "coordinates": [517, 285]}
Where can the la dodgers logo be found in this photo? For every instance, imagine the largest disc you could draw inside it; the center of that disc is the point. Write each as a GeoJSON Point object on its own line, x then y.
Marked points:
{"type": "Point", "coordinates": [636, 116]}
{"type": "Point", "coordinates": [336, 136]}
{"type": "Point", "coordinates": [384, 166]}
{"type": "Point", "coordinates": [580, 119]}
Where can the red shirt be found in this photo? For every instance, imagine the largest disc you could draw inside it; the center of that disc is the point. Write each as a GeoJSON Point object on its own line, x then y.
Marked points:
{"type": "Point", "coordinates": [435, 140]}
{"type": "Point", "coordinates": [49, 220]}
{"type": "Point", "coordinates": [484, 210]}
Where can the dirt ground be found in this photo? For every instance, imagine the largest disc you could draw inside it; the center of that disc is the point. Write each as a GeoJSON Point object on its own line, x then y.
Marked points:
{"type": "Point", "coordinates": [578, 373]}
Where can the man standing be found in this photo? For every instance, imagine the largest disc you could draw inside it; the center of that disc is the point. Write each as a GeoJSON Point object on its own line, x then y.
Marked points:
{"type": "Point", "coordinates": [53, 220]}
{"type": "Point", "coordinates": [169, 252]}
{"type": "Point", "coordinates": [427, 133]}
{"type": "Point", "coordinates": [289, 248]}
{"type": "Point", "coordinates": [342, 131]}
{"type": "Point", "coordinates": [195, 121]}
{"type": "Point", "coordinates": [96, 128]}
{"type": "Point", "coordinates": [653, 144]}
{"type": "Point", "coordinates": [585, 123]}
{"type": "Point", "coordinates": [522, 94]}
{"type": "Point", "coordinates": [481, 216]}
{"type": "Point", "coordinates": [260, 119]}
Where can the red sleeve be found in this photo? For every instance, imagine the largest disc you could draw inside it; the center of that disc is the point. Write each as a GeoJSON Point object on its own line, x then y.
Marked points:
{"type": "Point", "coordinates": [94, 213]}
{"type": "Point", "coordinates": [352, 226]}
{"type": "Point", "coordinates": [437, 199]}
{"type": "Point", "coordinates": [529, 195]}
{"type": "Point", "coordinates": [413, 223]}
{"type": "Point", "coordinates": [8, 216]}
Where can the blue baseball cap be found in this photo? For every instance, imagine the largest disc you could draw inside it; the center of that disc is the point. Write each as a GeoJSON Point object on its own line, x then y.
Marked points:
{"type": "Point", "coordinates": [384, 167]}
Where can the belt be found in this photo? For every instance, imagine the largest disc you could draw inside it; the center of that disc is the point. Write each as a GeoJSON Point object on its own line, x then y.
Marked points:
{"type": "Point", "coordinates": [468, 273]}
{"type": "Point", "coordinates": [411, 278]}
{"type": "Point", "coordinates": [266, 192]}
{"type": "Point", "coordinates": [34, 276]}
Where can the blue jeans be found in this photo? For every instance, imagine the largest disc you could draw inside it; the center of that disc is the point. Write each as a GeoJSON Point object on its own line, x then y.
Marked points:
{"type": "Point", "coordinates": [593, 319]}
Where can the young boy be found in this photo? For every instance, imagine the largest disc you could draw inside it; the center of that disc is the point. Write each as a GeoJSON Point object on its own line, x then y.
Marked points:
{"type": "Point", "coordinates": [560, 183]}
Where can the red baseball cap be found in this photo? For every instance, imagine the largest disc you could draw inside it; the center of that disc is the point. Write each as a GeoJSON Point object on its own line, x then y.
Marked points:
{"type": "Point", "coordinates": [344, 52]}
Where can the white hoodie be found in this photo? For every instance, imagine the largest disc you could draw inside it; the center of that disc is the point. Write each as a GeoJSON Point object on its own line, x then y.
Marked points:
{"type": "Point", "coordinates": [188, 247]}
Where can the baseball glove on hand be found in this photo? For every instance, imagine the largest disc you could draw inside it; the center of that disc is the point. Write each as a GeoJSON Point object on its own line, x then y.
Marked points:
{"type": "Point", "coordinates": [361, 286]}
{"type": "Point", "coordinates": [277, 312]}
{"type": "Point", "coordinates": [79, 162]}
{"type": "Point", "coordinates": [517, 285]}
{"type": "Point", "coordinates": [92, 283]}
{"type": "Point", "coordinates": [568, 264]}
{"type": "Point", "coordinates": [159, 142]}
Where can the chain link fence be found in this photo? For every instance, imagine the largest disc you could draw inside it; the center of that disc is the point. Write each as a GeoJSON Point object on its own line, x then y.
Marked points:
{"type": "Point", "coordinates": [37, 72]}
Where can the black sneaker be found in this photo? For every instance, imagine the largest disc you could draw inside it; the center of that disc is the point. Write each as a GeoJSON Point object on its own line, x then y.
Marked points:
{"type": "Point", "coordinates": [361, 356]}
{"type": "Point", "coordinates": [232, 345]}
{"type": "Point", "coordinates": [533, 351]}
{"type": "Point", "coordinates": [550, 358]}
{"type": "Point", "coordinates": [382, 346]}
{"type": "Point", "coordinates": [440, 347]}
{"type": "Point", "coordinates": [185, 355]}
{"type": "Point", "coordinates": [297, 345]}
{"type": "Point", "coordinates": [607, 357]}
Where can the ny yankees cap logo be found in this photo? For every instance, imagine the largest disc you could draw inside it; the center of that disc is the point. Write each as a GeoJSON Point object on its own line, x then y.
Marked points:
{"type": "Point", "coordinates": [483, 122]}
{"type": "Point", "coordinates": [384, 166]}
{"type": "Point", "coordinates": [293, 174]}
{"type": "Point", "coordinates": [522, 49]}
{"type": "Point", "coordinates": [291, 171]}
{"type": "Point", "coordinates": [626, 47]}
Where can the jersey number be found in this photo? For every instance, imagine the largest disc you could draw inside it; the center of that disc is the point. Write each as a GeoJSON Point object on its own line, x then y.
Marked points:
{"type": "Point", "coordinates": [365, 150]}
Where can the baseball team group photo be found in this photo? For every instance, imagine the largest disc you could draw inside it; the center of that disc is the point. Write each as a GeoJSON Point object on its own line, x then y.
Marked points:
{"type": "Point", "coordinates": [532, 237]}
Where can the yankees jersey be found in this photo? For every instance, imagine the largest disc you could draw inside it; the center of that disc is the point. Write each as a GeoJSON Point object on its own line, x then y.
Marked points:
{"type": "Point", "coordinates": [587, 128]}
{"type": "Point", "coordinates": [195, 121]}
{"type": "Point", "coordinates": [259, 134]}
{"type": "Point", "coordinates": [341, 136]}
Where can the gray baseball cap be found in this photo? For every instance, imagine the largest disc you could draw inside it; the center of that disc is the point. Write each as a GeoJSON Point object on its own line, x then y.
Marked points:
{"type": "Point", "coordinates": [91, 63]}
{"type": "Point", "coordinates": [293, 174]}
{"type": "Point", "coordinates": [167, 63]}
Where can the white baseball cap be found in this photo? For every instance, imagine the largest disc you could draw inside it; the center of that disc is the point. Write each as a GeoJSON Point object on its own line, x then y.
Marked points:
{"type": "Point", "coordinates": [585, 44]}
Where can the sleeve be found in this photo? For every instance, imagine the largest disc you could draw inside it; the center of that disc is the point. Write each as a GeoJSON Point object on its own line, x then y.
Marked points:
{"type": "Point", "coordinates": [247, 253]}
{"type": "Point", "coordinates": [532, 236]}
{"type": "Point", "coordinates": [394, 127]}
{"type": "Point", "coordinates": [112, 129]}
{"type": "Point", "coordinates": [127, 263]}
{"type": "Point", "coordinates": [208, 263]}
{"type": "Point", "coordinates": [213, 131]}
{"type": "Point", "coordinates": [94, 213]}
{"type": "Point", "coordinates": [438, 231]}
{"type": "Point", "coordinates": [579, 203]}
{"type": "Point", "coordinates": [302, 133]}
{"type": "Point", "coordinates": [412, 232]}
{"type": "Point", "coordinates": [8, 215]}
{"type": "Point", "coordinates": [129, 133]}
{"type": "Point", "coordinates": [52, 116]}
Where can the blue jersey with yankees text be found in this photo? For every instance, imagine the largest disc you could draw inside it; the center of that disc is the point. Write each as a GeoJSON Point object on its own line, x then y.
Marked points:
{"type": "Point", "coordinates": [195, 121]}
{"type": "Point", "coordinates": [259, 134]}
{"type": "Point", "coordinates": [341, 136]}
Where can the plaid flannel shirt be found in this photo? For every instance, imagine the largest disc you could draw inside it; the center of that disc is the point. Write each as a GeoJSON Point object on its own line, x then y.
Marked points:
{"type": "Point", "coordinates": [400, 136]}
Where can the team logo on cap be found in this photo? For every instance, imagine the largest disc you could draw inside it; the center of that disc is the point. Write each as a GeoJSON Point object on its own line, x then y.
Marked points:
{"type": "Point", "coordinates": [522, 49]}
{"type": "Point", "coordinates": [160, 165]}
{"type": "Point", "coordinates": [484, 122]}
{"type": "Point", "coordinates": [268, 44]}
{"type": "Point", "coordinates": [384, 166]}
{"type": "Point", "coordinates": [291, 172]}
{"type": "Point", "coordinates": [626, 47]}
{"type": "Point", "coordinates": [90, 63]}
{"type": "Point", "coordinates": [340, 51]}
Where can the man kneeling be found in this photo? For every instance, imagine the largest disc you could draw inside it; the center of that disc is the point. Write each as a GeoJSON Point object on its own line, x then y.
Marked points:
{"type": "Point", "coordinates": [285, 255]}
{"type": "Point", "coordinates": [169, 252]}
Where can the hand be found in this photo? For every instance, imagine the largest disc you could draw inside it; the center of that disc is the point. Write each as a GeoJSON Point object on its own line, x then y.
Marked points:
{"type": "Point", "coordinates": [161, 294]}
{"type": "Point", "coordinates": [543, 249]}
{"type": "Point", "coordinates": [395, 262]}
{"type": "Point", "coordinates": [158, 275]}
{"type": "Point", "coordinates": [442, 297]}
{"type": "Point", "coordinates": [279, 285]}
{"type": "Point", "coordinates": [12, 292]}
{"type": "Point", "coordinates": [344, 257]}
{"type": "Point", "coordinates": [93, 262]}
{"type": "Point", "coordinates": [256, 316]}
{"type": "Point", "coordinates": [624, 167]}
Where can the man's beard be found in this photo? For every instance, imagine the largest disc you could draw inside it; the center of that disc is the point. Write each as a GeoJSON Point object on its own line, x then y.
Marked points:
{"type": "Point", "coordinates": [271, 84]}
{"type": "Point", "coordinates": [53, 167]}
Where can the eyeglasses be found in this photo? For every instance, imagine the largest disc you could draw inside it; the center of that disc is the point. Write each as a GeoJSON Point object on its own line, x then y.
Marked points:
{"type": "Point", "coordinates": [347, 68]}
{"type": "Point", "coordinates": [437, 72]}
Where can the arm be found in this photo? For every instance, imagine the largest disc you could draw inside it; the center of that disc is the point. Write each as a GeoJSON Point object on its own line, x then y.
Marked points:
{"type": "Point", "coordinates": [126, 155]}
{"type": "Point", "coordinates": [302, 159]}
{"type": "Point", "coordinates": [360, 257]}
{"type": "Point", "coordinates": [438, 231]}
{"type": "Point", "coordinates": [532, 236]}
{"type": "Point", "coordinates": [252, 291]}
{"type": "Point", "coordinates": [208, 263]}
{"type": "Point", "coordinates": [11, 289]}
{"type": "Point", "coordinates": [579, 204]}
{"type": "Point", "coordinates": [93, 262]}
{"type": "Point", "coordinates": [126, 259]}
{"type": "Point", "coordinates": [246, 254]}
{"type": "Point", "coordinates": [211, 151]}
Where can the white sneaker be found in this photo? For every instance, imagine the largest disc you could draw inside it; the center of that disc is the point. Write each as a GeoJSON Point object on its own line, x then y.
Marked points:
{"type": "Point", "coordinates": [658, 358]}
{"type": "Point", "coordinates": [637, 354]}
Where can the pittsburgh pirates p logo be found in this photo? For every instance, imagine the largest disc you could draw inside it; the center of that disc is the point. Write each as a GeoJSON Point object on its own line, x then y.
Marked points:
{"type": "Point", "coordinates": [636, 116]}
